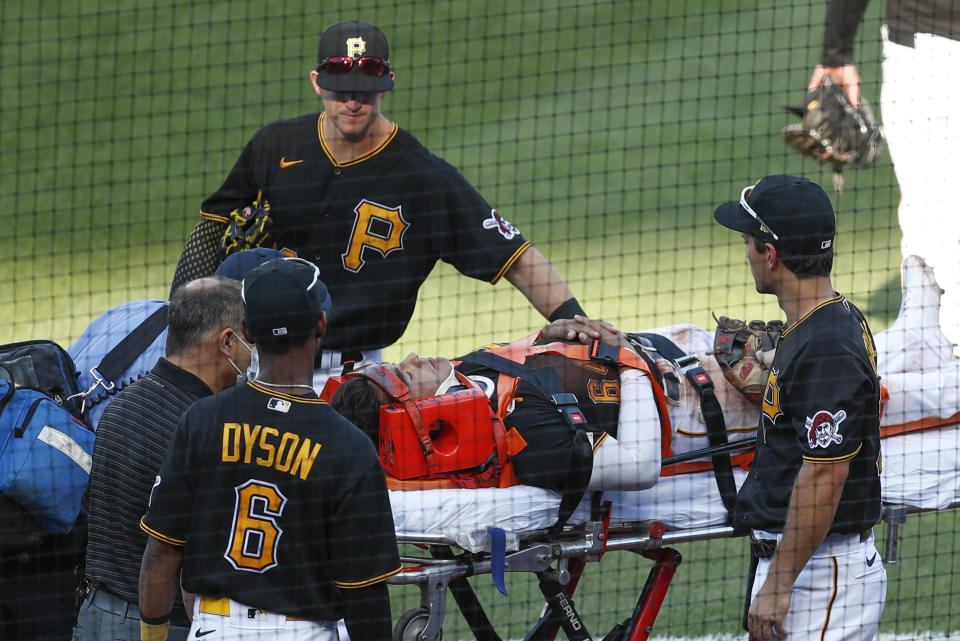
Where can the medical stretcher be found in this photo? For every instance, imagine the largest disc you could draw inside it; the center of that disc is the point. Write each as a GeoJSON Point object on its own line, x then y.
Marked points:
{"type": "Point", "coordinates": [495, 530]}
{"type": "Point", "coordinates": [492, 531]}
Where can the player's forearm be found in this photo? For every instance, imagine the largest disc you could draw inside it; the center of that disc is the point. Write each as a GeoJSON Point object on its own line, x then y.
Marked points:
{"type": "Point", "coordinates": [366, 612]}
{"type": "Point", "coordinates": [843, 18]}
{"type": "Point", "coordinates": [536, 278]}
{"type": "Point", "coordinates": [159, 579]}
{"type": "Point", "coordinates": [813, 505]}
{"type": "Point", "coordinates": [632, 460]}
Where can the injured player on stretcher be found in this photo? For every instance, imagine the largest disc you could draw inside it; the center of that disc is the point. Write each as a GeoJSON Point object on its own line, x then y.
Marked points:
{"type": "Point", "coordinates": [635, 406]}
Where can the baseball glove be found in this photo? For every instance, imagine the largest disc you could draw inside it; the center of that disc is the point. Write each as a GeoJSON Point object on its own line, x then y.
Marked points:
{"type": "Point", "coordinates": [735, 346]}
{"type": "Point", "coordinates": [834, 131]}
{"type": "Point", "coordinates": [248, 227]}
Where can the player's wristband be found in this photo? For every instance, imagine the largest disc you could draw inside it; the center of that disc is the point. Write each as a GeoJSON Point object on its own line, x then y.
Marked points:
{"type": "Point", "coordinates": [567, 309]}
{"type": "Point", "coordinates": [154, 631]}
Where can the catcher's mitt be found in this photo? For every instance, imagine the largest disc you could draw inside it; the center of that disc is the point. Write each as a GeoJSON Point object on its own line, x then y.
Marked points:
{"type": "Point", "coordinates": [834, 131]}
{"type": "Point", "coordinates": [248, 227]}
{"type": "Point", "coordinates": [735, 346]}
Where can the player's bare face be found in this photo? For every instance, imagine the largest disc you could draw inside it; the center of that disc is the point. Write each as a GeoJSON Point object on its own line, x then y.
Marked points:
{"type": "Point", "coordinates": [352, 114]}
{"type": "Point", "coordinates": [424, 375]}
{"type": "Point", "coordinates": [757, 265]}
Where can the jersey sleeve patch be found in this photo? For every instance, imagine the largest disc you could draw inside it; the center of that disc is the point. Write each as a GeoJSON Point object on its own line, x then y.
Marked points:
{"type": "Point", "coordinates": [823, 428]}
{"type": "Point", "coordinates": [501, 224]}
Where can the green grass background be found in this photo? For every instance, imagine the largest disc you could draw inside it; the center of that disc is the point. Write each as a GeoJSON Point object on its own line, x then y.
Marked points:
{"type": "Point", "coordinates": [606, 131]}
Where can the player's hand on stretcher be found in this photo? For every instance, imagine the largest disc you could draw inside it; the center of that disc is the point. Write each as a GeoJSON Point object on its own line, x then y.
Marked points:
{"type": "Point", "coordinates": [585, 330]}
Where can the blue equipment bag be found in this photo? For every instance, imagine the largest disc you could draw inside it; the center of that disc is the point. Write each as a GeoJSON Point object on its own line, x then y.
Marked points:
{"type": "Point", "coordinates": [45, 457]}
{"type": "Point", "coordinates": [117, 349]}
{"type": "Point", "coordinates": [44, 366]}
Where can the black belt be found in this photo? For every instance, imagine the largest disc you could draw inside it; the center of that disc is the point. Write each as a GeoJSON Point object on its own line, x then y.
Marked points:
{"type": "Point", "coordinates": [110, 602]}
{"type": "Point", "coordinates": [689, 365]}
{"type": "Point", "coordinates": [765, 548]}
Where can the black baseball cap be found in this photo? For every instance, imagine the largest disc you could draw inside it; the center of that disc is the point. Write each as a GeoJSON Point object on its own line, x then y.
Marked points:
{"type": "Point", "coordinates": [791, 212]}
{"type": "Point", "coordinates": [353, 39]}
{"type": "Point", "coordinates": [283, 297]}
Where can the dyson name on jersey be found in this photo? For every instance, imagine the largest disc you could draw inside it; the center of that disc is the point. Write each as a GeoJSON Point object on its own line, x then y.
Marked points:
{"type": "Point", "coordinates": [268, 447]}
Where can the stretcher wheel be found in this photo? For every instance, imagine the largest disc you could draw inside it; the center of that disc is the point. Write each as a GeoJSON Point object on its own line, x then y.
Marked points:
{"type": "Point", "coordinates": [411, 624]}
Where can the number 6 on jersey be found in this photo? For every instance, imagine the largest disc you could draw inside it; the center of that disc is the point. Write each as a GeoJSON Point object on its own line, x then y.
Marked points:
{"type": "Point", "coordinates": [255, 533]}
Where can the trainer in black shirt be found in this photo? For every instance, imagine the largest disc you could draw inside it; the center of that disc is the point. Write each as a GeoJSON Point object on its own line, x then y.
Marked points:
{"type": "Point", "coordinates": [204, 353]}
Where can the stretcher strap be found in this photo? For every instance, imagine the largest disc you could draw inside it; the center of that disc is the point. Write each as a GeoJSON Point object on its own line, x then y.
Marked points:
{"type": "Point", "coordinates": [717, 436]}
{"type": "Point", "coordinates": [518, 351]}
{"type": "Point", "coordinates": [712, 413]}
{"type": "Point", "coordinates": [398, 391]}
{"type": "Point", "coordinates": [498, 557]}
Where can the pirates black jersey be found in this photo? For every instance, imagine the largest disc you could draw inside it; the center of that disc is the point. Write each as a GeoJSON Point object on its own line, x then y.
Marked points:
{"type": "Point", "coordinates": [821, 404]}
{"type": "Point", "coordinates": [375, 226]}
{"type": "Point", "coordinates": [278, 502]}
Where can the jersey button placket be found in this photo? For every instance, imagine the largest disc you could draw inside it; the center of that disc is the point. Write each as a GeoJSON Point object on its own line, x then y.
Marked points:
{"type": "Point", "coordinates": [337, 171]}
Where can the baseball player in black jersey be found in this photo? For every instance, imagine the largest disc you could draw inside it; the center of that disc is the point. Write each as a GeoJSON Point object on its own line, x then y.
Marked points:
{"type": "Point", "coordinates": [920, 48]}
{"type": "Point", "coordinates": [813, 493]}
{"type": "Point", "coordinates": [274, 505]}
{"type": "Point", "coordinates": [362, 198]}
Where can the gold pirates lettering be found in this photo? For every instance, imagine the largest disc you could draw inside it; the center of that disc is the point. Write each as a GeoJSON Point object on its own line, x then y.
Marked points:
{"type": "Point", "coordinates": [267, 447]}
{"type": "Point", "coordinates": [365, 234]}
{"type": "Point", "coordinates": [771, 399]}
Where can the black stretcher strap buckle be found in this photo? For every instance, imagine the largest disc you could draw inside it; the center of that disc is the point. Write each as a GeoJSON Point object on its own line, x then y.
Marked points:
{"type": "Point", "coordinates": [604, 352]}
{"type": "Point", "coordinates": [690, 367]}
{"type": "Point", "coordinates": [569, 408]}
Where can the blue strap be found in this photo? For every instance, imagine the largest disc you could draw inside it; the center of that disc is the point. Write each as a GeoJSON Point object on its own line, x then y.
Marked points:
{"type": "Point", "coordinates": [498, 557]}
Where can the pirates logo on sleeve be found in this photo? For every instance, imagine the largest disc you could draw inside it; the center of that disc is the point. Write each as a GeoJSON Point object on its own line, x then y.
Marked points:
{"type": "Point", "coordinates": [501, 224]}
{"type": "Point", "coordinates": [823, 428]}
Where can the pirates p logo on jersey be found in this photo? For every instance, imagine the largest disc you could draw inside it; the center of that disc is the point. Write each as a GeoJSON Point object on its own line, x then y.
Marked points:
{"type": "Point", "coordinates": [376, 227]}
{"type": "Point", "coordinates": [501, 224]}
{"type": "Point", "coordinates": [823, 428]}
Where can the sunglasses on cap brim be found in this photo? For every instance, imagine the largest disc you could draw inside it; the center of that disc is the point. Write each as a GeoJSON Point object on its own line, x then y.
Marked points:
{"type": "Point", "coordinates": [747, 208]}
{"type": "Point", "coordinates": [368, 65]}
